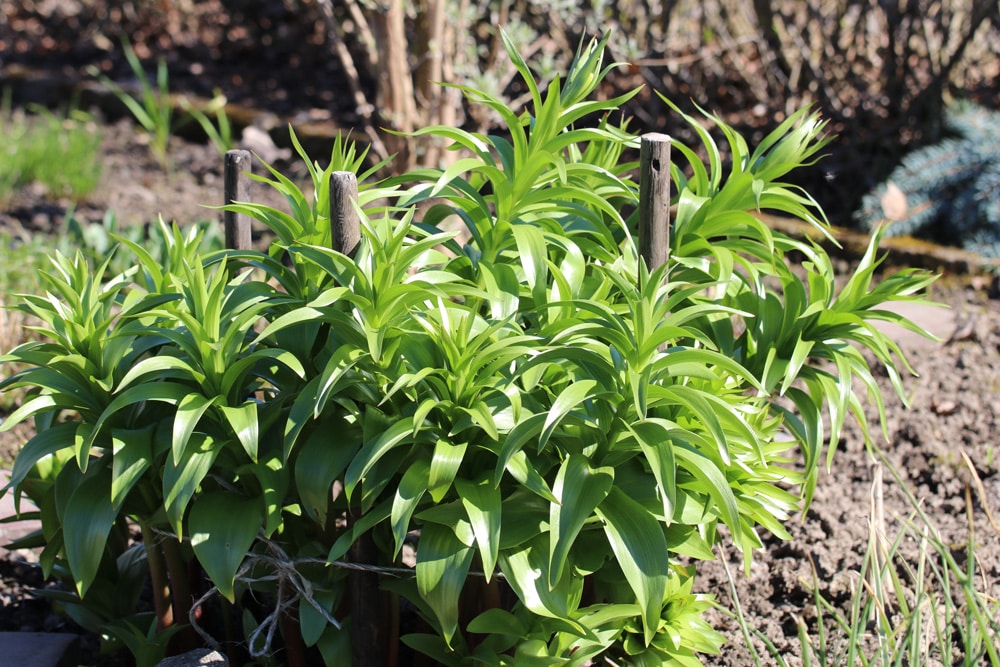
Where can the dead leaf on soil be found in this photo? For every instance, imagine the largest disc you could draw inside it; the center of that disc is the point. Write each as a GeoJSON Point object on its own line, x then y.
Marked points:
{"type": "Point", "coordinates": [980, 491]}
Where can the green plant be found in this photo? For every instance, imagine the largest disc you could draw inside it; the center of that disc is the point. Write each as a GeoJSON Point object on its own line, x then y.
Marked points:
{"type": "Point", "coordinates": [100, 241]}
{"type": "Point", "coordinates": [555, 424]}
{"type": "Point", "coordinates": [59, 151]}
{"type": "Point", "coordinates": [153, 108]}
{"type": "Point", "coordinates": [220, 132]}
{"type": "Point", "coordinates": [948, 191]}
{"type": "Point", "coordinates": [22, 260]}
{"type": "Point", "coordinates": [910, 608]}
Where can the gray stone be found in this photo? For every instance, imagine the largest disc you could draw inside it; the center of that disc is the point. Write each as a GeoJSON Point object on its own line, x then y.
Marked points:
{"type": "Point", "coordinates": [202, 657]}
{"type": "Point", "coordinates": [38, 649]}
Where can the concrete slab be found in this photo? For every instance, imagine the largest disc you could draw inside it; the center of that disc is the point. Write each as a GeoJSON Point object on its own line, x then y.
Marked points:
{"type": "Point", "coordinates": [39, 649]}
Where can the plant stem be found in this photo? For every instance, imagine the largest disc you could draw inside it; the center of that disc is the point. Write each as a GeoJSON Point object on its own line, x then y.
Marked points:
{"type": "Point", "coordinates": [367, 637]}
{"type": "Point", "coordinates": [162, 602]}
{"type": "Point", "coordinates": [295, 649]}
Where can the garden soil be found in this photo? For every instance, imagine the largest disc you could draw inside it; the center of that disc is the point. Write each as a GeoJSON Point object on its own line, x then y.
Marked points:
{"type": "Point", "coordinates": [953, 413]}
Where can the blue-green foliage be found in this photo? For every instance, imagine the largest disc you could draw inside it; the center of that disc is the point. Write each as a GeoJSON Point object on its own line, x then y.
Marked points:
{"type": "Point", "coordinates": [949, 191]}
{"type": "Point", "coordinates": [100, 241]}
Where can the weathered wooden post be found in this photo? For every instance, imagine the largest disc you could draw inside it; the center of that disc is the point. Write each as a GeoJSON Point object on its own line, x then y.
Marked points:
{"type": "Point", "coordinates": [236, 187]}
{"type": "Point", "coordinates": [654, 199]}
{"type": "Point", "coordinates": [344, 221]}
{"type": "Point", "coordinates": [369, 631]}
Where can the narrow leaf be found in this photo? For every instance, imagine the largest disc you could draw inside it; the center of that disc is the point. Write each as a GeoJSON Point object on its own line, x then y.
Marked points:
{"type": "Point", "coordinates": [482, 503]}
{"type": "Point", "coordinates": [87, 521]}
{"type": "Point", "coordinates": [133, 454]}
{"type": "Point", "coordinates": [442, 567]}
{"type": "Point", "coordinates": [580, 489]}
{"type": "Point", "coordinates": [640, 547]}
{"type": "Point", "coordinates": [444, 467]}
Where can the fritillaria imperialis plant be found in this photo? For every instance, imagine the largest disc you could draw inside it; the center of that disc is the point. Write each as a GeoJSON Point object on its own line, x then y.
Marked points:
{"type": "Point", "coordinates": [558, 431]}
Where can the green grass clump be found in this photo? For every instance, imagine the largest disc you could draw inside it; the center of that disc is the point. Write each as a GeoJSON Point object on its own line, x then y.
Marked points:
{"type": "Point", "coordinates": [22, 261]}
{"type": "Point", "coordinates": [152, 108]}
{"type": "Point", "coordinates": [930, 605]}
{"type": "Point", "coordinates": [100, 242]}
{"type": "Point", "coordinates": [59, 150]}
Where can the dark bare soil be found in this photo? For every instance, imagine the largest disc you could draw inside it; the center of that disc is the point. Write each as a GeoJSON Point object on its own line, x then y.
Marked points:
{"type": "Point", "coordinates": [954, 408]}
{"type": "Point", "coordinates": [954, 403]}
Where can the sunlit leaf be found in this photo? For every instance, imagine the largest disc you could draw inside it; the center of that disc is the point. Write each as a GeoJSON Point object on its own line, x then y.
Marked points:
{"type": "Point", "coordinates": [442, 566]}
{"type": "Point", "coordinates": [482, 502]}
{"type": "Point", "coordinates": [641, 550]}
{"type": "Point", "coordinates": [579, 489]}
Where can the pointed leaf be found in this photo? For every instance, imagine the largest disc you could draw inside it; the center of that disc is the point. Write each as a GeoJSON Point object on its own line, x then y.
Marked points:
{"type": "Point", "coordinates": [318, 462]}
{"type": "Point", "coordinates": [482, 503]}
{"type": "Point", "coordinates": [654, 441]}
{"type": "Point", "coordinates": [182, 480]}
{"type": "Point", "coordinates": [87, 521]}
{"type": "Point", "coordinates": [411, 489]}
{"type": "Point", "coordinates": [133, 454]}
{"type": "Point", "coordinates": [51, 440]}
{"type": "Point", "coordinates": [243, 420]}
{"type": "Point", "coordinates": [442, 567]}
{"type": "Point", "coordinates": [579, 489]}
{"type": "Point", "coordinates": [189, 411]}
{"type": "Point", "coordinates": [444, 467]}
{"type": "Point", "coordinates": [223, 527]}
{"type": "Point", "coordinates": [640, 547]}
{"type": "Point", "coordinates": [525, 571]}
{"type": "Point", "coordinates": [375, 449]}
{"type": "Point", "coordinates": [571, 396]}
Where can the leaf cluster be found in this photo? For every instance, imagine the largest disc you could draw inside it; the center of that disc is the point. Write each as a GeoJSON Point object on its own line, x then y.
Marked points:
{"type": "Point", "coordinates": [542, 414]}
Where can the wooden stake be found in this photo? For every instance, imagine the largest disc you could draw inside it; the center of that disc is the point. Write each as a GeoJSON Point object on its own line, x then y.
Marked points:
{"type": "Point", "coordinates": [237, 188]}
{"type": "Point", "coordinates": [344, 221]}
{"type": "Point", "coordinates": [369, 636]}
{"type": "Point", "coordinates": [654, 199]}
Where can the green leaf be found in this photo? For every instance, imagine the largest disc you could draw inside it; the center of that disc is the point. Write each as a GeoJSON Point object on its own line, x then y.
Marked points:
{"type": "Point", "coordinates": [497, 621]}
{"type": "Point", "coordinates": [312, 623]}
{"type": "Point", "coordinates": [189, 411]}
{"type": "Point", "coordinates": [87, 521]}
{"type": "Point", "coordinates": [713, 482]}
{"type": "Point", "coordinates": [444, 467]}
{"type": "Point", "coordinates": [526, 571]}
{"type": "Point", "coordinates": [317, 464]}
{"type": "Point", "coordinates": [580, 489]}
{"type": "Point", "coordinates": [411, 489]}
{"type": "Point", "coordinates": [133, 455]}
{"type": "Point", "coordinates": [482, 503]}
{"type": "Point", "coordinates": [640, 547]}
{"type": "Point", "coordinates": [166, 392]}
{"type": "Point", "coordinates": [180, 481]}
{"type": "Point", "coordinates": [442, 567]}
{"type": "Point", "coordinates": [51, 440]}
{"type": "Point", "coordinates": [223, 527]}
{"type": "Point", "coordinates": [243, 420]}
{"type": "Point", "coordinates": [655, 443]}
{"type": "Point", "coordinates": [274, 482]}
{"type": "Point", "coordinates": [374, 516]}
{"type": "Point", "coordinates": [571, 396]}
{"type": "Point", "coordinates": [373, 450]}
